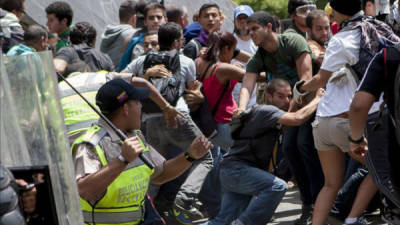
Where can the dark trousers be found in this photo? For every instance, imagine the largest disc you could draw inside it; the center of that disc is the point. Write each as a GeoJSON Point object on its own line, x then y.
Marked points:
{"type": "Point", "coordinates": [299, 150]}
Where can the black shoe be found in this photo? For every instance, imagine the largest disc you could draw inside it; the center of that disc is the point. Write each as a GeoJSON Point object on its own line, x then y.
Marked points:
{"type": "Point", "coordinates": [306, 215]}
{"type": "Point", "coordinates": [391, 216]}
{"type": "Point", "coordinates": [188, 213]}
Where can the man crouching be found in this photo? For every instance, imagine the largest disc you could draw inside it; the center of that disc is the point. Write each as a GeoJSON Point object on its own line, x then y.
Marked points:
{"type": "Point", "coordinates": [250, 193]}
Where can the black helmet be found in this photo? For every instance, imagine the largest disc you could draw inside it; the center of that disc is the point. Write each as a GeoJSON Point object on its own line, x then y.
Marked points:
{"type": "Point", "coordinates": [293, 4]}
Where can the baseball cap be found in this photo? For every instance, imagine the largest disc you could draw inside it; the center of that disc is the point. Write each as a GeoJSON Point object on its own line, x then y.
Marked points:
{"type": "Point", "coordinates": [116, 93]}
{"type": "Point", "coordinates": [243, 9]}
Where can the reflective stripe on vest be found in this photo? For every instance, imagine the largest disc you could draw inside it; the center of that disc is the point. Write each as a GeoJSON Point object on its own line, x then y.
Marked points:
{"type": "Point", "coordinates": [123, 202]}
{"type": "Point", "coordinates": [77, 113]}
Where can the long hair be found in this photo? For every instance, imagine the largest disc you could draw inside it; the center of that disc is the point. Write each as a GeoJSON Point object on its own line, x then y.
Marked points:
{"type": "Point", "coordinates": [217, 41]}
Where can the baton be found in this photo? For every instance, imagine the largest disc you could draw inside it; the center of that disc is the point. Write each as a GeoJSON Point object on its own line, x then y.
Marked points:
{"type": "Point", "coordinates": [121, 135]}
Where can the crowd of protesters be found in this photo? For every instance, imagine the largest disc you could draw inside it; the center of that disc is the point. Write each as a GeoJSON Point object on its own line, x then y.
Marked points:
{"type": "Point", "coordinates": [229, 119]}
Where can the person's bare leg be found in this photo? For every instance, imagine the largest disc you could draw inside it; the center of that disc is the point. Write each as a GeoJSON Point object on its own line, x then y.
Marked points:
{"type": "Point", "coordinates": [332, 163]}
{"type": "Point", "coordinates": [365, 193]}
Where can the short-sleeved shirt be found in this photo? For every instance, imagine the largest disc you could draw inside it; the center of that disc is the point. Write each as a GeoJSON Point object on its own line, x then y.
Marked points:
{"type": "Point", "coordinates": [95, 59]}
{"type": "Point", "coordinates": [343, 48]}
{"type": "Point", "coordinates": [282, 62]}
{"type": "Point", "coordinates": [256, 140]}
{"type": "Point", "coordinates": [294, 29]}
{"type": "Point", "coordinates": [87, 162]}
{"type": "Point", "coordinates": [375, 82]}
{"type": "Point", "coordinates": [187, 72]}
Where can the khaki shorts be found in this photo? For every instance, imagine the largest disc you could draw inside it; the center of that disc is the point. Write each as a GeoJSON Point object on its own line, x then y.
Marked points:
{"type": "Point", "coordinates": [331, 133]}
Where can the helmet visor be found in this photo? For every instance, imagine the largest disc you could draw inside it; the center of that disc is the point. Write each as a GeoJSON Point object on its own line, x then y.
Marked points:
{"type": "Point", "coordinates": [303, 10]}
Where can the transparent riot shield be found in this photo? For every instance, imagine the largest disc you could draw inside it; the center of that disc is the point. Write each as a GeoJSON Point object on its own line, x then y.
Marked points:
{"type": "Point", "coordinates": [32, 130]}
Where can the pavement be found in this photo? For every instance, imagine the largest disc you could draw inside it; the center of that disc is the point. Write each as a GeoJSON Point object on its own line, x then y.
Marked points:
{"type": "Point", "coordinates": [290, 209]}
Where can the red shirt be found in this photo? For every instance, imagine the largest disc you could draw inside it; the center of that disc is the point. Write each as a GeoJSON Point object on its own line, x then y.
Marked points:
{"type": "Point", "coordinates": [212, 91]}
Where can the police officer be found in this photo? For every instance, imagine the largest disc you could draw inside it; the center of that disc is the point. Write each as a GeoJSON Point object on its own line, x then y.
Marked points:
{"type": "Point", "coordinates": [112, 181]}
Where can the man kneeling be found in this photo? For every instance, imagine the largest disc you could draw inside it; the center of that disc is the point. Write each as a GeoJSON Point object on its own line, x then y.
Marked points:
{"type": "Point", "coordinates": [250, 193]}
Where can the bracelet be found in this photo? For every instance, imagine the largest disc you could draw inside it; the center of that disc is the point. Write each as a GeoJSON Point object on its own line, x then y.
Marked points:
{"type": "Point", "coordinates": [165, 107]}
{"type": "Point", "coordinates": [358, 141]}
{"type": "Point", "coordinates": [122, 159]}
{"type": "Point", "coordinates": [188, 157]}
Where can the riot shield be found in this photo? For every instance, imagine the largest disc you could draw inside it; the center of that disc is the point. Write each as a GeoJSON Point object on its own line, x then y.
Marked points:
{"type": "Point", "coordinates": [32, 130]}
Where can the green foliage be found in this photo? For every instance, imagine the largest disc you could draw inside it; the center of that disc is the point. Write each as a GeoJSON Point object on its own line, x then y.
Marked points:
{"type": "Point", "coordinates": [276, 7]}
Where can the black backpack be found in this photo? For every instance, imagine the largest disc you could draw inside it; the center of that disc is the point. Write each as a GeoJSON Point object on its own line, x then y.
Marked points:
{"type": "Point", "coordinates": [167, 86]}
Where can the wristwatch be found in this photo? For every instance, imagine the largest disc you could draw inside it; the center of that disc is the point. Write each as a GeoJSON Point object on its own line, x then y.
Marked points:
{"type": "Point", "coordinates": [188, 157]}
{"type": "Point", "coordinates": [122, 159]}
{"type": "Point", "coordinates": [358, 141]}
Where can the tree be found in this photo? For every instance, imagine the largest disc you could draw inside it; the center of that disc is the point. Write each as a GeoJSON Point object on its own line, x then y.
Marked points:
{"type": "Point", "coordinates": [276, 7]}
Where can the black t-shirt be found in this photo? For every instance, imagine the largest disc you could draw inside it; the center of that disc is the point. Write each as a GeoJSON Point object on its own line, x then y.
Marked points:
{"type": "Point", "coordinates": [375, 82]}
{"type": "Point", "coordinates": [95, 59]}
{"type": "Point", "coordinates": [256, 140]}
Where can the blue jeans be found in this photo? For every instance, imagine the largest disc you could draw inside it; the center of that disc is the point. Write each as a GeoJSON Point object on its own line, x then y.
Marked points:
{"type": "Point", "coordinates": [162, 138]}
{"type": "Point", "coordinates": [299, 150]}
{"type": "Point", "coordinates": [249, 194]}
{"type": "Point", "coordinates": [223, 138]}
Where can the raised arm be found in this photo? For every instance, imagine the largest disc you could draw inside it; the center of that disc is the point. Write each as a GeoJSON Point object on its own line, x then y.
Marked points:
{"type": "Point", "coordinates": [299, 117]}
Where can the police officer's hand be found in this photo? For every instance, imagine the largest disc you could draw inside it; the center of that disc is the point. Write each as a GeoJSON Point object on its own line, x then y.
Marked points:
{"type": "Point", "coordinates": [199, 147]}
{"type": "Point", "coordinates": [131, 148]}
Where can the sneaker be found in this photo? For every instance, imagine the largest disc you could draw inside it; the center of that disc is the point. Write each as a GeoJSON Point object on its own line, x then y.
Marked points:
{"type": "Point", "coordinates": [306, 215]}
{"type": "Point", "coordinates": [237, 222]}
{"type": "Point", "coordinates": [188, 214]}
{"type": "Point", "coordinates": [360, 221]}
{"type": "Point", "coordinates": [391, 217]}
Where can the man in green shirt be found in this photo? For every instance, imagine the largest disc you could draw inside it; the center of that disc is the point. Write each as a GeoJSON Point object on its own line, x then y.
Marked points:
{"type": "Point", "coordinates": [298, 10]}
{"type": "Point", "coordinates": [286, 56]}
{"type": "Point", "coordinates": [59, 19]}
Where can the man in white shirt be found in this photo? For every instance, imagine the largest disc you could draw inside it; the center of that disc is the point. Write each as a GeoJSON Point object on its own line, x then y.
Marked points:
{"type": "Point", "coordinates": [245, 43]}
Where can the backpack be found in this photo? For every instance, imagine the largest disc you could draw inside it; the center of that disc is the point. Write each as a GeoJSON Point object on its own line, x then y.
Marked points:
{"type": "Point", "coordinates": [94, 59]}
{"type": "Point", "coordinates": [127, 57]}
{"type": "Point", "coordinates": [11, 31]}
{"type": "Point", "coordinates": [375, 35]}
{"type": "Point", "coordinates": [167, 86]}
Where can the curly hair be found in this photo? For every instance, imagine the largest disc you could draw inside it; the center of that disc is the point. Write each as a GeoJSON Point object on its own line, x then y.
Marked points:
{"type": "Point", "coordinates": [83, 32]}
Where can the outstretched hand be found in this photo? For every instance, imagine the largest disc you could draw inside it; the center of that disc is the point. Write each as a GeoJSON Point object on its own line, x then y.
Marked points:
{"type": "Point", "coordinates": [199, 147]}
{"type": "Point", "coordinates": [172, 117]}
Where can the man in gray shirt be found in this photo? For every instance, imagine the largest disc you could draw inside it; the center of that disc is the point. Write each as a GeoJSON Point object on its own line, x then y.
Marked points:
{"type": "Point", "coordinates": [170, 40]}
{"type": "Point", "coordinates": [244, 168]}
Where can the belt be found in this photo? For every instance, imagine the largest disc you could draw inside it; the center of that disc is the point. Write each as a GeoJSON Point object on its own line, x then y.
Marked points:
{"type": "Point", "coordinates": [344, 115]}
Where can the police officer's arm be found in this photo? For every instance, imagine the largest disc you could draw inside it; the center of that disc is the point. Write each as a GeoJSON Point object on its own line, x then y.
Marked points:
{"type": "Point", "coordinates": [304, 66]}
{"type": "Point", "coordinates": [299, 117]}
{"type": "Point", "coordinates": [91, 186]}
{"type": "Point", "coordinates": [170, 113]}
{"type": "Point", "coordinates": [176, 166]}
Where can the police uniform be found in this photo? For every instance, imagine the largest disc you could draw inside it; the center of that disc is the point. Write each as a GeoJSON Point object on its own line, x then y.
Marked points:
{"type": "Point", "coordinates": [125, 195]}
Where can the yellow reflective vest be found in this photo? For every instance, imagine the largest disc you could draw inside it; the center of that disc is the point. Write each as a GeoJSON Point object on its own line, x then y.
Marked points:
{"type": "Point", "coordinates": [123, 202]}
{"type": "Point", "coordinates": [78, 115]}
